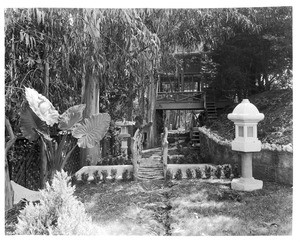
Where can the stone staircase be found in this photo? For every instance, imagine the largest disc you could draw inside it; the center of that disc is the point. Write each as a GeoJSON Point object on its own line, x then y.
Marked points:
{"type": "Point", "coordinates": [151, 168]}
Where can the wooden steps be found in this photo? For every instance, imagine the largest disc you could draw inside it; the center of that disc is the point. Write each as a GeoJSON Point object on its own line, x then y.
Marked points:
{"type": "Point", "coordinates": [211, 110]}
{"type": "Point", "coordinates": [195, 138]}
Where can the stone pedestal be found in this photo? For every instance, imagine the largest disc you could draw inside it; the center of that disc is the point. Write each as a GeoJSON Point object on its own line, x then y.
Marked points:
{"type": "Point", "coordinates": [124, 148]}
{"type": "Point", "coordinates": [246, 184]}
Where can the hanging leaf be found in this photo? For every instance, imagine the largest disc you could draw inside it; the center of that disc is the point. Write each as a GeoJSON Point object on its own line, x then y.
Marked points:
{"type": "Point", "coordinates": [70, 117]}
{"type": "Point", "coordinates": [29, 123]}
{"type": "Point", "coordinates": [41, 106]}
{"type": "Point", "coordinates": [92, 130]}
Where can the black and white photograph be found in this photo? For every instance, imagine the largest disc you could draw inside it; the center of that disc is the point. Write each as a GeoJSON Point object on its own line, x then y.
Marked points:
{"type": "Point", "coordinates": [149, 121]}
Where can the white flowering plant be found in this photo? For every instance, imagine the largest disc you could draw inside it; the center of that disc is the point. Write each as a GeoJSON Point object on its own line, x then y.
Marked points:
{"type": "Point", "coordinates": [40, 114]}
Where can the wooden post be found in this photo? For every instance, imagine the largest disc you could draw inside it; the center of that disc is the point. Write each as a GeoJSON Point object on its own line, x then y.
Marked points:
{"type": "Point", "coordinates": [165, 151]}
{"type": "Point", "coordinates": [136, 148]}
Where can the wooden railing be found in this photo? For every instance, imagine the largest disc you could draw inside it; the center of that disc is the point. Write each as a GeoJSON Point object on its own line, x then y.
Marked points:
{"type": "Point", "coordinates": [180, 96]}
{"type": "Point", "coordinates": [164, 146]}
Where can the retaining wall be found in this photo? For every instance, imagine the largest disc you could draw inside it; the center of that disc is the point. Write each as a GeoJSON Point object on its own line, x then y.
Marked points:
{"type": "Point", "coordinates": [272, 163]}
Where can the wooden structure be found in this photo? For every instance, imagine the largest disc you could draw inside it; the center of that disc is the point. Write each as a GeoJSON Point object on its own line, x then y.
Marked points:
{"type": "Point", "coordinates": [182, 95]}
{"type": "Point", "coordinates": [177, 93]}
{"type": "Point", "coordinates": [187, 88]}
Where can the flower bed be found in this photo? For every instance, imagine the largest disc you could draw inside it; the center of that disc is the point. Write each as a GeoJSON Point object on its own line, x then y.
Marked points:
{"type": "Point", "coordinates": [90, 171]}
{"type": "Point", "coordinates": [200, 171]}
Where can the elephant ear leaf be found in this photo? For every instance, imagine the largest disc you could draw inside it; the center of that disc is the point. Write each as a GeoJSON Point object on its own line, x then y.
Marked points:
{"type": "Point", "coordinates": [70, 117]}
{"type": "Point", "coordinates": [92, 130]}
{"type": "Point", "coordinates": [30, 123]}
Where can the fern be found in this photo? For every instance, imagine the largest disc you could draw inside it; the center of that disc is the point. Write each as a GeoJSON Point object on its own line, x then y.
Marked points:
{"type": "Point", "coordinates": [58, 213]}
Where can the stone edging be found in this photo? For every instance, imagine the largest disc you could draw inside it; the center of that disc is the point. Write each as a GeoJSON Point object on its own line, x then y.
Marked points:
{"type": "Point", "coordinates": [265, 146]}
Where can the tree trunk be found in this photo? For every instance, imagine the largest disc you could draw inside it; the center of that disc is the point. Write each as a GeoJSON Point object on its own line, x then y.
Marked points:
{"type": "Point", "coordinates": [151, 116]}
{"type": "Point", "coordinates": [130, 99]}
{"type": "Point", "coordinates": [90, 156]}
{"type": "Point", "coordinates": [142, 98]}
{"type": "Point", "coordinates": [9, 192]}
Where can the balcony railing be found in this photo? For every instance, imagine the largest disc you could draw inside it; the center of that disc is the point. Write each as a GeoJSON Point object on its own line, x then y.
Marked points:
{"type": "Point", "coordinates": [180, 97]}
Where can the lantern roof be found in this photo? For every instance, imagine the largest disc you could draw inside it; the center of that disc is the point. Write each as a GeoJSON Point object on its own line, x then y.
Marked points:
{"type": "Point", "coordinates": [246, 112]}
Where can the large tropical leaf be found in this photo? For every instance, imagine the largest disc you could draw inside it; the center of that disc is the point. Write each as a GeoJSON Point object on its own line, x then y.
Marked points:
{"type": "Point", "coordinates": [41, 106]}
{"type": "Point", "coordinates": [92, 130]}
{"type": "Point", "coordinates": [30, 123]}
{"type": "Point", "coordinates": [70, 117]}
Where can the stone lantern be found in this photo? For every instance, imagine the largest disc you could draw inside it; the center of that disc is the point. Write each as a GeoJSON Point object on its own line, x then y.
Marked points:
{"type": "Point", "coordinates": [245, 117]}
{"type": "Point", "coordinates": [124, 135]}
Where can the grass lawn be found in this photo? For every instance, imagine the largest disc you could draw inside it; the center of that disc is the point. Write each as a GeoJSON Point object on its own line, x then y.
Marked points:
{"type": "Point", "coordinates": [187, 207]}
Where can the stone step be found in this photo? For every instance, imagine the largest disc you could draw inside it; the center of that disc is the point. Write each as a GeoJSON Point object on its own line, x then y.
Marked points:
{"type": "Point", "coordinates": [152, 178]}
{"type": "Point", "coordinates": [150, 171]}
{"type": "Point", "coordinates": [151, 165]}
{"type": "Point", "coordinates": [157, 163]}
{"type": "Point", "coordinates": [151, 175]}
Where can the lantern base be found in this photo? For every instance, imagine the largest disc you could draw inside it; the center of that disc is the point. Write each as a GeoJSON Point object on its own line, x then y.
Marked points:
{"type": "Point", "coordinates": [246, 184]}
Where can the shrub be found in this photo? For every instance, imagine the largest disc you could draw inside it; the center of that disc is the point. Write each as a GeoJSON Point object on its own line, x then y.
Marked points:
{"type": "Point", "coordinates": [227, 170]}
{"type": "Point", "coordinates": [235, 171]}
{"type": "Point", "coordinates": [113, 174]}
{"type": "Point", "coordinates": [125, 175]}
{"type": "Point", "coordinates": [58, 213]}
{"type": "Point", "coordinates": [84, 177]}
{"type": "Point", "coordinates": [96, 176]}
{"type": "Point", "coordinates": [104, 176]}
{"type": "Point", "coordinates": [207, 172]}
{"type": "Point", "coordinates": [178, 175]}
{"type": "Point", "coordinates": [213, 172]}
{"type": "Point", "coordinates": [181, 160]}
{"type": "Point", "coordinates": [191, 156]}
{"type": "Point", "coordinates": [117, 160]}
{"type": "Point", "coordinates": [218, 171]}
{"type": "Point", "coordinates": [169, 175]}
{"type": "Point", "coordinates": [73, 179]}
{"type": "Point", "coordinates": [198, 173]}
{"type": "Point", "coordinates": [130, 176]}
{"type": "Point", "coordinates": [189, 173]}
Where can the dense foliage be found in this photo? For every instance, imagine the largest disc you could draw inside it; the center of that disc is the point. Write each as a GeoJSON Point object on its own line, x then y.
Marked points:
{"type": "Point", "coordinates": [244, 49]}
{"type": "Point", "coordinates": [250, 63]}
